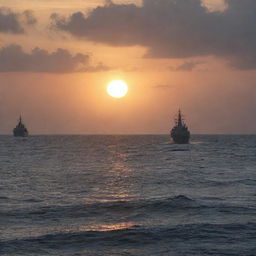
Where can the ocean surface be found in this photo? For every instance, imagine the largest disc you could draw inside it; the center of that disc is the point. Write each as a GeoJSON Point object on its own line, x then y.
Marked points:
{"type": "Point", "coordinates": [127, 195]}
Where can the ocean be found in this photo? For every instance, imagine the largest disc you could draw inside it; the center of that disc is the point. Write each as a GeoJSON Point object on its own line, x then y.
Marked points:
{"type": "Point", "coordinates": [127, 195]}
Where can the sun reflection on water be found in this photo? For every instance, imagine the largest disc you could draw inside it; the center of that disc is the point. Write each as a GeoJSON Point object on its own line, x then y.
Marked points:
{"type": "Point", "coordinates": [119, 183]}
{"type": "Point", "coordinates": [108, 227]}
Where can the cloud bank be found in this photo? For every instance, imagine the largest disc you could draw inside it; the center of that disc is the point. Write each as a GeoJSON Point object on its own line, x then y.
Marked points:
{"type": "Point", "coordinates": [14, 59]}
{"type": "Point", "coordinates": [172, 29]}
{"type": "Point", "coordinates": [11, 22]}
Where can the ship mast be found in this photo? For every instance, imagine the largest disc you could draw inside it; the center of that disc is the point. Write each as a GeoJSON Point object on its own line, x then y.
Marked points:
{"type": "Point", "coordinates": [179, 118]}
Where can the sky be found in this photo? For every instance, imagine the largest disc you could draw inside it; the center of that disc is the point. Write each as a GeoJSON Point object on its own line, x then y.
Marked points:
{"type": "Point", "coordinates": [57, 57]}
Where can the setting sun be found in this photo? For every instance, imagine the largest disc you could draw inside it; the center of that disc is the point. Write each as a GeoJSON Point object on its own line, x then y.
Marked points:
{"type": "Point", "coordinates": [117, 88]}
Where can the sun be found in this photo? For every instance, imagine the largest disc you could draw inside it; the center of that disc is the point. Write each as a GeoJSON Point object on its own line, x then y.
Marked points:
{"type": "Point", "coordinates": [117, 88]}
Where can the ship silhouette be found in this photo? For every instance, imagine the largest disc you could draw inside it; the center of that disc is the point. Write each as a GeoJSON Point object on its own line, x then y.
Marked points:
{"type": "Point", "coordinates": [180, 133]}
{"type": "Point", "coordinates": [20, 130]}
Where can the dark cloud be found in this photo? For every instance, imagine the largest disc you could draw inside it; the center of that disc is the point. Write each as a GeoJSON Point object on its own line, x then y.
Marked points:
{"type": "Point", "coordinates": [14, 59]}
{"type": "Point", "coordinates": [172, 29]}
{"type": "Point", "coordinates": [11, 22]}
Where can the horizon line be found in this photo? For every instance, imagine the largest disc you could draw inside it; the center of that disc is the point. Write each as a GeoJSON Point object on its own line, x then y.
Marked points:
{"type": "Point", "coordinates": [128, 134]}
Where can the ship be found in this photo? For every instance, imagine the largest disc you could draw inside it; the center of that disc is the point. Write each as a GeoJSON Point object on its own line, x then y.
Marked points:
{"type": "Point", "coordinates": [20, 130]}
{"type": "Point", "coordinates": [180, 133]}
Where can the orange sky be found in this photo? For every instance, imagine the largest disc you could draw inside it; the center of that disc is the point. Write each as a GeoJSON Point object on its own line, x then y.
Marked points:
{"type": "Point", "coordinates": [214, 97]}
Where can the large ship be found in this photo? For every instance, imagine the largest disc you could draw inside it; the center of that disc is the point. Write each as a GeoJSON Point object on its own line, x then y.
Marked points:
{"type": "Point", "coordinates": [180, 133]}
{"type": "Point", "coordinates": [20, 130]}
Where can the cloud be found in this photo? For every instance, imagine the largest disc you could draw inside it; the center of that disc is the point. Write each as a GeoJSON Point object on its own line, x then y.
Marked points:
{"type": "Point", "coordinates": [172, 29]}
{"type": "Point", "coordinates": [100, 67]}
{"type": "Point", "coordinates": [161, 86]}
{"type": "Point", "coordinates": [187, 66]}
{"type": "Point", "coordinates": [14, 59]}
{"type": "Point", "coordinates": [11, 22]}
{"type": "Point", "coordinates": [29, 17]}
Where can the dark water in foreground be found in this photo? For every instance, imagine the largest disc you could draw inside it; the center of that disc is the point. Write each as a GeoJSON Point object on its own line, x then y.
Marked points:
{"type": "Point", "coordinates": [127, 195]}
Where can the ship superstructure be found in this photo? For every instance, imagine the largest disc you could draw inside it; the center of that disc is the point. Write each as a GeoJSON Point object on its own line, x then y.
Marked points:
{"type": "Point", "coordinates": [20, 130]}
{"type": "Point", "coordinates": [180, 133]}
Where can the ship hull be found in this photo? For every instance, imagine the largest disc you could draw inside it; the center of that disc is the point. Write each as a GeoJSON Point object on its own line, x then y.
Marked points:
{"type": "Point", "coordinates": [20, 134]}
{"type": "Point", "coordinates": [180, 139]}
{"type": "Point", "coordinates": [180, 136]}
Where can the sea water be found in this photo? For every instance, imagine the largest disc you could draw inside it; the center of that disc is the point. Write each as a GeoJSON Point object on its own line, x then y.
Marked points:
{"type": "Point", "coordinates": [127, 195]}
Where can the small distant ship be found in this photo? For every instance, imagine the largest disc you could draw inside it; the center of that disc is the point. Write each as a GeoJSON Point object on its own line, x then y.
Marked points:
{"type": "Point", "coordinates": [20, 130]}
{"type": "Point", "coordinates": [180, 133]}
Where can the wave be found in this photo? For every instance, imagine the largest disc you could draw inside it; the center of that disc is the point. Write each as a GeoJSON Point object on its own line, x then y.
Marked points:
{"type": "Point", "coordinates": [4, 198]}
{"type": "Point", "coordinates": [248, 182]}
{"type": "Point", "coordinates": [122, 206]}
{"type": "Point", "coordinates": [138, 236]}
{"type": "Point", "coordinates": [32, 200]}
{"type": "Point", "coordinates": [179, 149]}
{"type": "Point", "coordinates": [133, 209]}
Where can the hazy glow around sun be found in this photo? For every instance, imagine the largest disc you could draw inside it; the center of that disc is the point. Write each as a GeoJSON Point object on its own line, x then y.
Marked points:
{"type": "Point", "coordinates": [117, 88]}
